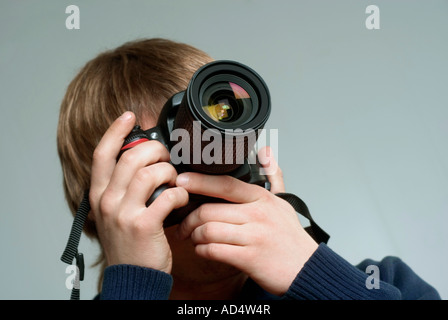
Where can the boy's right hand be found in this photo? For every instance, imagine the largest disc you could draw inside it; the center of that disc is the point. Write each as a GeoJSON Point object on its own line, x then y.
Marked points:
{"type": "Point", "coordinates": [130, 232]}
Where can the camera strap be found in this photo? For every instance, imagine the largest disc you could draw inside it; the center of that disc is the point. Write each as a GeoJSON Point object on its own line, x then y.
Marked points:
{"type": "Point", "coordinates": [316, 232]}
{"type": "Point", "coordinates": [71, 250]}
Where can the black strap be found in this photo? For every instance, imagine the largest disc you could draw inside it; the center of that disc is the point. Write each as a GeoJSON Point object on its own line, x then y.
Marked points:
{"type": "Point", "coordinates": [316, 232]}
{"type": "Point", "coordinates": [71, 249]}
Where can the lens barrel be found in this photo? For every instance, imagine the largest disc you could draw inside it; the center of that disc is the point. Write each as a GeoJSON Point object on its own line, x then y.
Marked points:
{"type": "Point", "coordinates": [231, 102]}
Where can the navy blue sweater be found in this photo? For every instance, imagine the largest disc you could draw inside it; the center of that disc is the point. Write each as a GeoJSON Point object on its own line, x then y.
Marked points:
{"type": "Point", "coordinates": [325, 276]}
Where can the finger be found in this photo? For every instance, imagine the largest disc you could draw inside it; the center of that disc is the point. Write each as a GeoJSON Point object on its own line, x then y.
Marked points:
{"type": "Point", "coordinates": [105, 154]}
{"type": "Point", "coordinates": [225, 253]}
{"type": "Point", "coordinates": [272, 170]}
{"type": "Point", "coordinates": [168, 200]}
{"type": "Point", "coordinates": [144, 154]}
{"type": "Point", "coordinates": [216, 212]}
{"type": "Point", "coordinates": [147, 179]}
{"type": "Point", "coordinates": [223, 187]}
{"type": "Point", "coordinates": [219, 232]}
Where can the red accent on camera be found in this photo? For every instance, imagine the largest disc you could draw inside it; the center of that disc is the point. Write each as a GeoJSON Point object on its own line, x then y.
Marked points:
{"type": "Point", "coordinates": [134, 143]}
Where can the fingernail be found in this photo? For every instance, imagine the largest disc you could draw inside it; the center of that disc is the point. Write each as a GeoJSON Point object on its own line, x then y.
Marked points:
{"type": "Point", "coordinates": [126, 116]}
{"type": "Point", "coordinates": [182, 179]}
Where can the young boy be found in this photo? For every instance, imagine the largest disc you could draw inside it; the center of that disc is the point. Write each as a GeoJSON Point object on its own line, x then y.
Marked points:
{"type": "Point", "coordinates": [251, 247]}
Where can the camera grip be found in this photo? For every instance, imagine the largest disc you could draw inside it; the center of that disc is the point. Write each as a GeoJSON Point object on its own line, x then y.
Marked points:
{"type": "Point", "coordinates": [135, 137]}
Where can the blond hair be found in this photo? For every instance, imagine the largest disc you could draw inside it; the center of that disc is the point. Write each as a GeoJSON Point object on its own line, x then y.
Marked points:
{"type": "Point", "coordinates": [138, 76]}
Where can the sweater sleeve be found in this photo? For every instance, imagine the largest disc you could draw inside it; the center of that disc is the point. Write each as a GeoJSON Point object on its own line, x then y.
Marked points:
{"type": "Point", "coordinates": [327, 276]}
{"type": "Point", "coordinates": [129, 282]}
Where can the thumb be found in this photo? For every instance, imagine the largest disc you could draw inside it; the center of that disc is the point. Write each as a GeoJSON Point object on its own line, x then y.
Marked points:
{"type": "Point", "coordinates": [271, 169]}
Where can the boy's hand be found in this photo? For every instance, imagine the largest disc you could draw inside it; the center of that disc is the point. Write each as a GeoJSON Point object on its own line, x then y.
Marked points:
{"type": "Point", "coordinates": [130, 232]}
{"type": "Point", "coordinates": [258, 233]}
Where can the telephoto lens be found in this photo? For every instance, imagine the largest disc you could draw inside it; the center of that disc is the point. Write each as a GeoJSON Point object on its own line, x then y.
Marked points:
{"type": "Point", "coordinates": [231, 102]}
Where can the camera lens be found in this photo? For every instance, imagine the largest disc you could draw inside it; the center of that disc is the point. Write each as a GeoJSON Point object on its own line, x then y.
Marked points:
{"type": "Point", "coordinates": [227, 95]}
{"type": "Point", "coordinates": [227, 102]}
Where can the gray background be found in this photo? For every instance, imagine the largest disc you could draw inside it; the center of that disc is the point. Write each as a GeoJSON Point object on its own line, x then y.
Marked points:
{"type": "Point", "coordinates": [362, 118]}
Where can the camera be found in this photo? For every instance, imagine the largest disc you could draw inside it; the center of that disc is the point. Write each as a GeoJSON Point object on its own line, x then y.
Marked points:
{"type": "Point", "coordinates": [225, 105]}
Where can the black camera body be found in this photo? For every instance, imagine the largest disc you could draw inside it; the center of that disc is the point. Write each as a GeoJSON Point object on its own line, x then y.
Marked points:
{"type": "Point", "coordinates": [228, 103]}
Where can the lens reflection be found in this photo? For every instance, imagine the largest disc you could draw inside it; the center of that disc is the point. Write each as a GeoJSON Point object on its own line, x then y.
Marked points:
{"type": "Point", "coordinates": [227, 102]}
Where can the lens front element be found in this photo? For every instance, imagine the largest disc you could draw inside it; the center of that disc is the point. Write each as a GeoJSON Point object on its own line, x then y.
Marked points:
{"type": "Point", "coordinates": [227, 102]}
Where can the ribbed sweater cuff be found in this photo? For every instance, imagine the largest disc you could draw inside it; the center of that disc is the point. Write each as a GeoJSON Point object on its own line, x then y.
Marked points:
{"type": "Point", "coordinates": [129, 282]}
{"type": "Point", "coordinates": [327, 276]}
